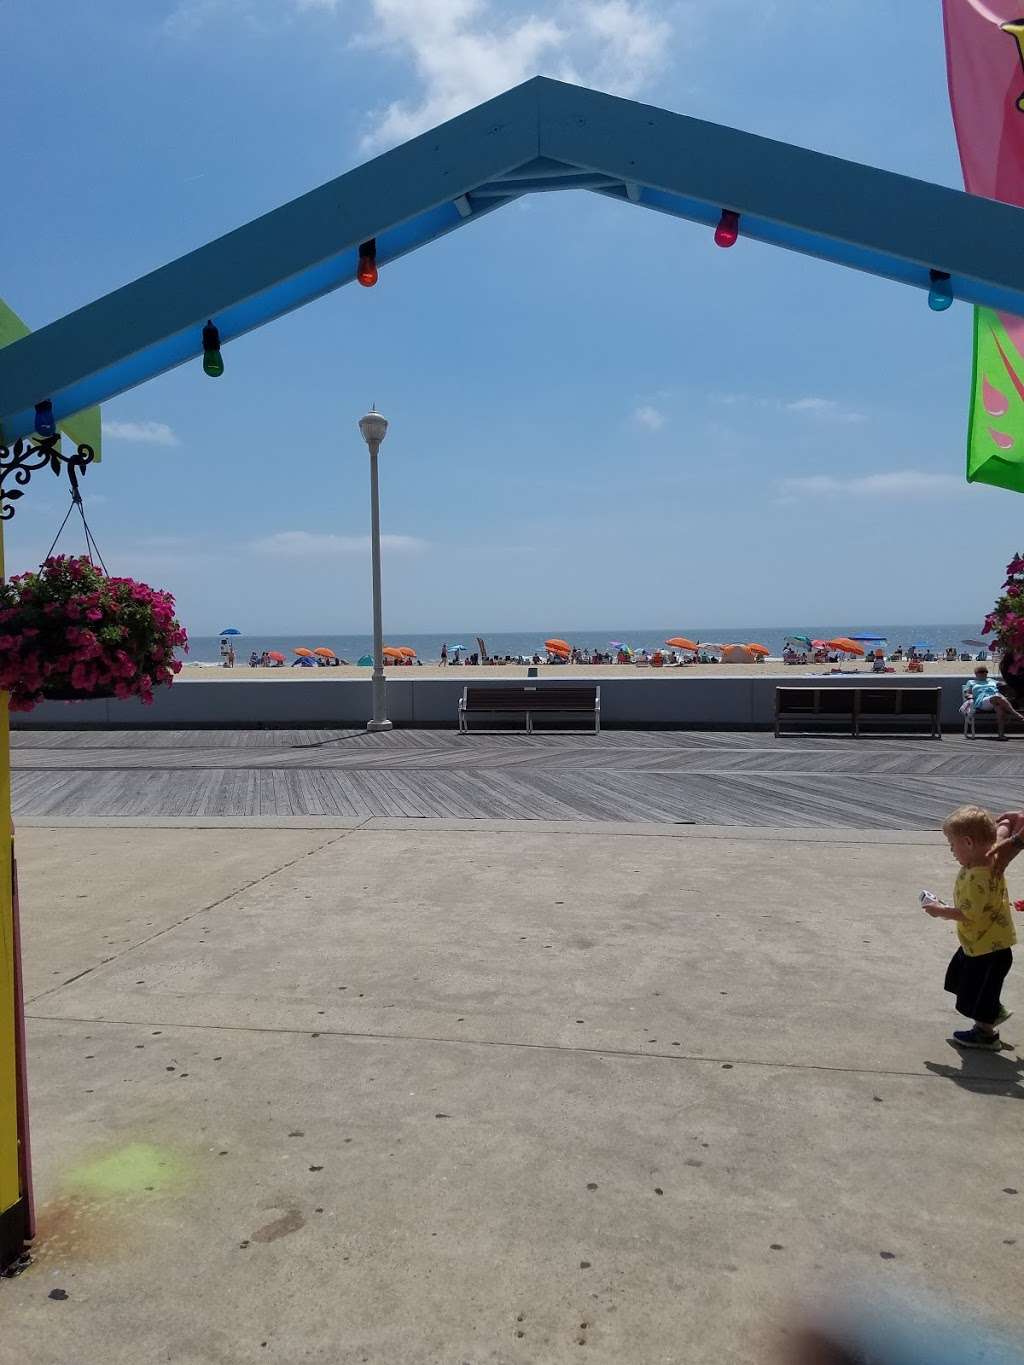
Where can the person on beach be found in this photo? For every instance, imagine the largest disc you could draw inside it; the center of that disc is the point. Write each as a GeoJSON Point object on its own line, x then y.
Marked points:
{"type": "Point", "coordinates": [981, 912]}
{"type": "Point", "coordinates": [444, 655]}
{"type": "Point", "coordinates": [983, 694]}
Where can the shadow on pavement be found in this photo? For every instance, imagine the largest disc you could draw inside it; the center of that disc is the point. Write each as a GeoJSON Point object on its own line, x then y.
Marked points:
{"type": "Point", "coordinates": [986, 1073]}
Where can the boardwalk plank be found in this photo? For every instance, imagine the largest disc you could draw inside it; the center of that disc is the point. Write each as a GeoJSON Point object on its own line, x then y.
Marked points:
{"type": "Point", "coordinates": [708, 777]}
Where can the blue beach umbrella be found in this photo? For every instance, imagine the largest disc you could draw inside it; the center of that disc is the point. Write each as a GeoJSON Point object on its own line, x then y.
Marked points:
{"type": "Point", "coordinates": [230, 630]}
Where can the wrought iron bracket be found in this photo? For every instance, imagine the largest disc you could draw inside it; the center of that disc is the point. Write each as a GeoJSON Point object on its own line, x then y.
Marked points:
{"type": "Point", "coordinates": [21, 460]}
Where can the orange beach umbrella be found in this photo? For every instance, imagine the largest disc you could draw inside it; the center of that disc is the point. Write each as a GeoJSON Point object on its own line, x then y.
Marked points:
{"type": "Point", "coordinates": [759, 649]}
{"type": "Point", "coordinates": [406, 652]}
{"type": "Point", "coordinates": [846, 646]}
{"type": "Point", "coordinates": [390, 652]}
{"type": "Point", "coordinates": [275, 655]}
{"type": "Point", "coordinates": [681, 642]}
{"type": "Point", "coordinates": [303, 652]}
{"type": "Point", "coordinates": [323, 652]}
{"type": "Point", "coordinates": [558, 646]}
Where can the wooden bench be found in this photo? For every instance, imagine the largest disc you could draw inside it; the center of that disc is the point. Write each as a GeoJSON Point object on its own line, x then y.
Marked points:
{"type": "Point", "coordinates": [528, 700]}
{"type": "Point", "coordinates": [859, 706]}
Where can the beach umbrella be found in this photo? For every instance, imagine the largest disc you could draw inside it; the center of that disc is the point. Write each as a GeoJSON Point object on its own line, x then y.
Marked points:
{"type": "Point", "coordinates": [323, 652]}
{"type": "Point", "coordinates": [273, 654]}
{"type": "Point", "coordinates": [681, 642]}
{"type": "Point", "coordinates": [763, 650]}
{"type": "Point", "coordinates": [845, 645]}
{"type": "Point", "coordinates": [558, 646]}
{"type": "Point", "coordinates": [366, 661]}
{"type": "Point", "coordinates": [390, 652]}
{"type": "Point", "coordinates": [803, 640]}
{"type": "Point", "coordinates": [616, 644]}
{"type": "Point", "coordinates": [406, 652]}
{"type": "Point", "coordinates": [921, 644]}
{"type": "Point", "coordinates": [818, 644]}
{"type": "Point", "coordinates": [737, 654]}
{"type": "Point", "coordinates": [868, 639]}
{"type": "Point", "coordinates": [230, 630]}
{"type": "Point", "coordinates": [303, 652]}
{"type": "Point", "coordinates": [977, 644]}
{"type": "Point", "coordinates": [717, 649]}
{"type": "Point", "coordinates": [453, 648]}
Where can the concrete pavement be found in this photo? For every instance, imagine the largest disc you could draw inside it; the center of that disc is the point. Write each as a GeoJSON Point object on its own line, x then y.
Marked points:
{"type": "Point", "coordinates": [451, 1091]}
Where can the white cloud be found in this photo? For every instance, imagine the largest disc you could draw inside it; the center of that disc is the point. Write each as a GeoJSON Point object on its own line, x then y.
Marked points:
{"type": "Point", "coordinates": [826, 408]}
{"type": "Point", "coordinates": [899, 484]}
{"type": "Point", "coordinates": [651, 418]}
{"type": "Point", "coordinates": [188, 16]}
{"type": "Point", "coordinates": [261, 17]}
{"type": "Point", "coordinates": [464, 51]}
{"type": "Point", "coordinates": [325, 545]}
{"type": "Point", "coordinates": [142, 433]}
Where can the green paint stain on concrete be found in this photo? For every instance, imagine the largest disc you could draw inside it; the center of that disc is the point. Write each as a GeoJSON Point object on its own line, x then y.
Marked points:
{"type": "Point", "coordinates": [136, 1169]}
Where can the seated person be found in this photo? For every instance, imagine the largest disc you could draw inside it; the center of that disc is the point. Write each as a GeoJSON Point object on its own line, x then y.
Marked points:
{"type": "Point", "coordinates": [982, 694]}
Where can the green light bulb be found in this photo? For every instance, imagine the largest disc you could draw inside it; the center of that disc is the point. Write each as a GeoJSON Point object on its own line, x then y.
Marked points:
{"type": "Point", "coordinates": [212, 362]}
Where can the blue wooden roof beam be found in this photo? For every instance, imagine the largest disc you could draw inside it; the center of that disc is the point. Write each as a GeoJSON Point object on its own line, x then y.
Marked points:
{"type": "Point", "coordinates": [541, 136]}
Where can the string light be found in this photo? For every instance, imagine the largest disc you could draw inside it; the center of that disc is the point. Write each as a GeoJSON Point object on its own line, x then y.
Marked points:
{"type": "Point", "coordinates": [45, 424]}
{"type": "Point", "coordinates": [366, 271]}
{"type": "Point", "coordinates": [940, 295]}
{"type": "Point", "coordinates": [213, 362]}
{"type": "Point", "coordinates": [728, 229]}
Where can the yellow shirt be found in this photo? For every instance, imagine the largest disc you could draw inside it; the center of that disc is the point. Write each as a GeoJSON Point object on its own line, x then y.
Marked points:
{"type": "Point", "coordinates": [980, 896]}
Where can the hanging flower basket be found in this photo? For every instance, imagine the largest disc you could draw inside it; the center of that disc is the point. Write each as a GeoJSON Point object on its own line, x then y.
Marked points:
{"type": "Point", "coordinates": [68, 632]}
{"type": "Point", "coordinates": [1006, 619]}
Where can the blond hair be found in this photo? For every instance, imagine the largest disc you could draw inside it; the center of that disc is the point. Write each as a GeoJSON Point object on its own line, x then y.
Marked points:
{"type": "Point", "coordinates": [972, 822]}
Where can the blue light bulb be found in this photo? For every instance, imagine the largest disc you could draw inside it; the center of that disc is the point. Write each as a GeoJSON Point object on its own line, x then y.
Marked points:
{"type": "Point", "coordinates": [940, 295]}
{"type": "Point", "coordinates": [45, 424]}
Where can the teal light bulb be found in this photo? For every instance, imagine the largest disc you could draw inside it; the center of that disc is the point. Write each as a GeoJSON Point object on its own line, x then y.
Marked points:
{"type": "Point", "coordinates": [940, 295]}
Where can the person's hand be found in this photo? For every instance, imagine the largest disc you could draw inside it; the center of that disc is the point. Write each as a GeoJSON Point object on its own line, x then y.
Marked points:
{"type": "Point", "coordinates": [931, 908]}
{"type": "Point", "coordinates": [1010, 840]}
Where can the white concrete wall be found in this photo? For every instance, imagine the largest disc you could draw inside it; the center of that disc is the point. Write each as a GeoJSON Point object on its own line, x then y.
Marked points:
{"type": "Point", "coordinates": [673, 699]}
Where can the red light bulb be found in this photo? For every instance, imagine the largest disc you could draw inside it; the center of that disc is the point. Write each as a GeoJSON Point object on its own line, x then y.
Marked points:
{"type": "Point", "coordinates": [366, 271]}
{"type": "Point", "coordinates": [728, 229]}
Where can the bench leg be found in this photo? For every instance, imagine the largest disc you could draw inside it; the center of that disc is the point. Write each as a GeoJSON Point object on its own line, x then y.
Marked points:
{"type": "Point", "coordinates": [529, 722]}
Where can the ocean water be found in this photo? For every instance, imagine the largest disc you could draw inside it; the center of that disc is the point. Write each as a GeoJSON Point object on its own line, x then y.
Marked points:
{"type": "Point", "coordinates": [206, 648]}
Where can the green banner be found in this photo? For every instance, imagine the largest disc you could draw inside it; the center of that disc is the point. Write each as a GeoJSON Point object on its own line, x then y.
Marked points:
{"type": "Point", "coordinates": [995, 431]}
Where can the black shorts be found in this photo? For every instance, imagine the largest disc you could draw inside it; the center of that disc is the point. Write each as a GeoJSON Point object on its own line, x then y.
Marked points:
{"type": "Point", "coordinates": [977, 981]}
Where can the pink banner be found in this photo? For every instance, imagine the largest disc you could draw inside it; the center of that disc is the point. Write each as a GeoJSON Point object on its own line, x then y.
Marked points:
{"type": "Point", "coordinates": [984, 45]}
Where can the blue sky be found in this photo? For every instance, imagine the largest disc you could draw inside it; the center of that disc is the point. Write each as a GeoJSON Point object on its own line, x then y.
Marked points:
{"type": "Point", "coordinates": [596, 415]}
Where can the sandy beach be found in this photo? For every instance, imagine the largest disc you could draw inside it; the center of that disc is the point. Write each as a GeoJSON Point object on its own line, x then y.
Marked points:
{"type": "Point", "coordinates": [772, 667]}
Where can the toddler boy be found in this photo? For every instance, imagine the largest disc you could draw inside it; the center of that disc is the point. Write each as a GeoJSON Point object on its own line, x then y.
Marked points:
{"type": "Point", "coordinates": [981, 911]}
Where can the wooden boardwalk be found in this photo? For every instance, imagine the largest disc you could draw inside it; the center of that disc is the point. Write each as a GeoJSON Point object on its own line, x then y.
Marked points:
{"type": "Point", "coordinates": [720, 778]}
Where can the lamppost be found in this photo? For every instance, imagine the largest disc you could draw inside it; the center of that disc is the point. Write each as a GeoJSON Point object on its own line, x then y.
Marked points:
{"type": "Point", "coordinates": [374, 428]}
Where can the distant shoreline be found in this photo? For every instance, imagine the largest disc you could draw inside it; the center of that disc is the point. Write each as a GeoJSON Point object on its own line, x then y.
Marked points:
{"type": "Point", "coordinates": [552, 672]}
